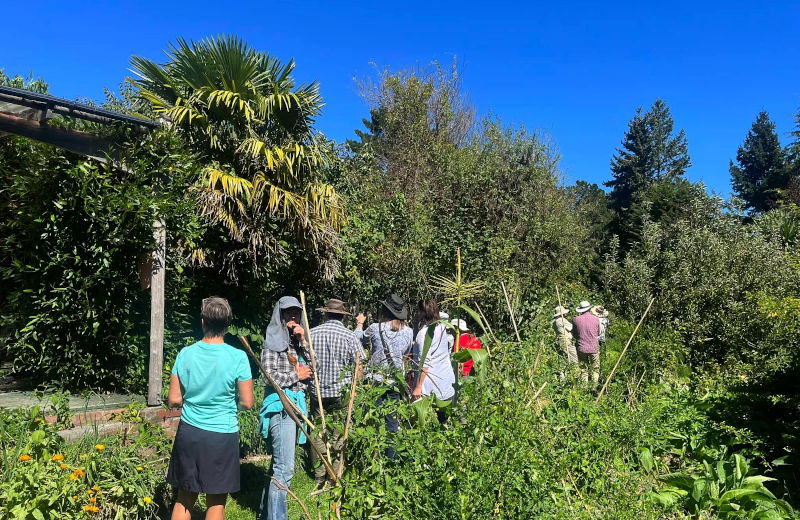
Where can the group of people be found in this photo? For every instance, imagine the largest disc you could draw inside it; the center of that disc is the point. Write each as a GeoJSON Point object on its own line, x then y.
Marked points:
{"type": "Point", "coordinates": [580, 338]}
{"type": "Point", "coordinates": [211, 379]}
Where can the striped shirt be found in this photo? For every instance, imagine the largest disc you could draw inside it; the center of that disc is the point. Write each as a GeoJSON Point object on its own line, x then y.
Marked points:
{"type": "Point", "coordinates": [335, 347]}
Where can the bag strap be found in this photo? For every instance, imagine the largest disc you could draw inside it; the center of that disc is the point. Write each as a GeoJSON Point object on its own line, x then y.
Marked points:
{"type": "Point", "coordinates": [386, 354]}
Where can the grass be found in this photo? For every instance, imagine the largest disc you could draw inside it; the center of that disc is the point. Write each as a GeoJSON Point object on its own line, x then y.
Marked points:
{"type": "Point", "coordinates": [244, 505]}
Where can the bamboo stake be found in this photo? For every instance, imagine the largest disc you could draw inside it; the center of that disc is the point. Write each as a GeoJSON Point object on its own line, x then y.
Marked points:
{"type": "Point", "coordinates": [511, 311]}
{"type": "Point", "coordinates": [349, 414]}
{"type": "Point", "coordinates": [610, 375]}
{"type": "Point", "coordinates": [323, 434]}
{"type": "Point", "coordinates": [287, 405]}
{"type": "Point", "coordinates": [538, 353]}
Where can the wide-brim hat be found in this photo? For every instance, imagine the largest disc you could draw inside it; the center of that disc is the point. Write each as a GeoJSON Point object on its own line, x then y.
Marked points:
{"type": "Point", "coordinates": [395, 306]}
{"type": "Point", "coordinates": [459, 324]}
{"type": "Point", "coordinates": [334, 306]}
{"type": "Point", "coordinates": [584, 306]}
{"type": "Point", "coordinates": [599, 311]}
{"type": "Point", "coordinates": [443, 315]}
{"type": "Point", "coordinates": [560, 311]}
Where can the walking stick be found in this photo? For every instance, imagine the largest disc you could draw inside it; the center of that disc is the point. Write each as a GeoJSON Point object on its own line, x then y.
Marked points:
{"type": "Point", "coordinates": [288, 405]}
{"type": "Point", "coordinates": [324, 432]}
{"type": "Point", "coordinates": [623, 352]}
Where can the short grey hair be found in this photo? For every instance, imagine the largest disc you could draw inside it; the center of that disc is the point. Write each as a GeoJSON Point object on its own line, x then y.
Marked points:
{"type": "Point", "coordinates": [217, 316]}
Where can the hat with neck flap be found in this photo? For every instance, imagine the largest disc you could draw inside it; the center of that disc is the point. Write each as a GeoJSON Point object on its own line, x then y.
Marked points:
{"type": "Point", "coordinates": [277, 336]}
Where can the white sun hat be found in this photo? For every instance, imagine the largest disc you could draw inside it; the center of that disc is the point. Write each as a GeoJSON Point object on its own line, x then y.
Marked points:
{"type": "Point", "coordinates": [443, 315]}
{"type": "Point", "coordinates": [459, 324]}
{"type": "Point", "coordinates": [583, 307]}
{"type": "Point", "coordinates": [560, 311]}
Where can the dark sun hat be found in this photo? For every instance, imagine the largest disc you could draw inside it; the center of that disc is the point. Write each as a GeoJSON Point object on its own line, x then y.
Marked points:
{"type": "Point", "coordinates": [396, 307]}
{"type": "Point", "coordinates": [334, 306]}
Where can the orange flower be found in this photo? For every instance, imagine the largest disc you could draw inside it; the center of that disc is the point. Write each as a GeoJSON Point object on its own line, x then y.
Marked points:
{"type": "Point", "coordinates": [23, 458]}
{"type": "Point", "coordinates": [57, 457]}
{"type": "Point", "coordinates": [79, 472]}
{"type": "Point", "coordinates": [99, 447]}
{"type": "Point", "coordinates": [62, 466]}
{"type": "Point", "coordinates": [92, 500]}
{"type": "Point", "coordinates": [91, 509]}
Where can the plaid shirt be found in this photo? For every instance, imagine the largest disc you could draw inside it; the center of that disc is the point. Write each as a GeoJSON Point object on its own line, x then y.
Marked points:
{"type": "Point", "coordinates": [335, 347]}
{"type": "Point", "coordinates": [281, 370]}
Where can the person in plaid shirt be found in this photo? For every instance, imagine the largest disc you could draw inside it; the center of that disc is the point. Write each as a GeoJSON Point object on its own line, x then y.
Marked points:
{"type": "Point", "coordinates": [284, 357]}
{"type": "Point", "coordinates": [335, 348]}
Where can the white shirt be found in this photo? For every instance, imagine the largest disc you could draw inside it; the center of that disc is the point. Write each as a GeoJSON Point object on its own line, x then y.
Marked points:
{"type": "Point", "coordinates": [440, 378]}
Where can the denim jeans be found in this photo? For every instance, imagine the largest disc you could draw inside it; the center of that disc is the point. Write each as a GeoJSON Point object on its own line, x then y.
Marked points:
{"type": "Point", "coordinates": [392, 424]}
{"type": "Point", "coordinates": [283, 436]}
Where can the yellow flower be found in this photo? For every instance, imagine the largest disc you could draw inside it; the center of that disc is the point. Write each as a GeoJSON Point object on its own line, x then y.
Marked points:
{"type": "Point", "coordinates": [139, 468]}
{"type": "Point", "coordinates": [23, 458]}
{"type": "Point", "coordinates": [57, 457]}
{"type": "Point", "coordinates": [83, 455]}
{"type": "Point", "coordinates": [147, 500]}
{"type": "Point", "coordinates": [96, 487]}
{"type": "Point", "coordinates": [99, 447]}
{"type": "Point", "coordinates": [74, 497]}
{"type": "Point", "coordinates": [91, 509]}
{"type": "Point", "coordinates": [73, 477]}
{"type": "Point", "coordinates": [90, 491]}
{"type": "Point", "coordinates": [63, 466]}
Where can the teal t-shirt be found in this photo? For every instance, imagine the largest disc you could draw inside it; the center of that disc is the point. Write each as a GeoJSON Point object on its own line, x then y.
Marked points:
{"type": "Point", "coordinates": [208, 375]}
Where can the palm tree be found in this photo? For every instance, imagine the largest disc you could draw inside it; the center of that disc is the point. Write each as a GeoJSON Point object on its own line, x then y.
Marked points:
{"type": "Point", "coordinates": [241, 110]}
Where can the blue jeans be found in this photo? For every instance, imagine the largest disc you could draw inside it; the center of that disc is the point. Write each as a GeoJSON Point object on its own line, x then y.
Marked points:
{"type": "Point", "coordinates": [283, 436]}
{"type": "Point", "coordinates": [392, 424]}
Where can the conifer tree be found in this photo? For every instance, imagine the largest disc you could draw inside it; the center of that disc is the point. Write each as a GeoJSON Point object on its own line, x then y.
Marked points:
{"type": "Point", "coordinates": [651, 153]}
{"type": "Point", "coordinates": [760, 168]}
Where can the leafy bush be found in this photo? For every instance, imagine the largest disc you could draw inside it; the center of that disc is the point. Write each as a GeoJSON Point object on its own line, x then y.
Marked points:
{"type": "Point", "coordinates": [504, 454]}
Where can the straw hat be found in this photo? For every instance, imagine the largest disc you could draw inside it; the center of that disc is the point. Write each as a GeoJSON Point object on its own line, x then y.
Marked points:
{"type": "Point", "coordinates": [599, 311]}
{"type": "Point", "coordinates": [583, 307]}
{"type": "Point", "coordinates": [560, 311]}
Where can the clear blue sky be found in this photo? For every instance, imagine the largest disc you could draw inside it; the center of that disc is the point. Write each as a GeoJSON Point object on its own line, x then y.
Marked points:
{"type": "Point", "coordinates": [577, 70]}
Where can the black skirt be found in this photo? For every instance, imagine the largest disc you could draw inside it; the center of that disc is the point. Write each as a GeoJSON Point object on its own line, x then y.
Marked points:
{"type": "Point", "coordinates": [204, 461]}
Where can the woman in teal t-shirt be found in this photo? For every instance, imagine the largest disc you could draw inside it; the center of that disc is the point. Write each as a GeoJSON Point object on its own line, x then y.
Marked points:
{"type": "Point", "coordinates": [205, 381]}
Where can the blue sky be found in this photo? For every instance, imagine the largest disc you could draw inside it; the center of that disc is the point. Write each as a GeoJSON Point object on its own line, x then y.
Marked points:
{"type": "Point", "coordinates": [576, 70]}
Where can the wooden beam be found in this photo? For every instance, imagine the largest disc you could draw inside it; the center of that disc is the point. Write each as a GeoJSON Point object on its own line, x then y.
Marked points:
{"type": "Point", "coordinates": [156, 366]}
{"type": "Point", "coordinates": [75, 141]}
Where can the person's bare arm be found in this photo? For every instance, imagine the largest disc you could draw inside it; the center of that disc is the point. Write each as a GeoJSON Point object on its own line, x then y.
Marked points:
{"type": "Point", "coordinates": [175, 396]}
{"type": "Point", "coordinates": [246, 398]}
{"type": "Point", "coordinates": [417, 393]}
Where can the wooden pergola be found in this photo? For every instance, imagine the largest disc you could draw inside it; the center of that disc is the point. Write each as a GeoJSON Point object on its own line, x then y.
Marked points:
{"type": "Point", "coordinates": [26, 114]}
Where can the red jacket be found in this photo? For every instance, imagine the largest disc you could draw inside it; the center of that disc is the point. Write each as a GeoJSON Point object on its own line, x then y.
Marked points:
{"type": "Point", "coordinates": [468, 341]}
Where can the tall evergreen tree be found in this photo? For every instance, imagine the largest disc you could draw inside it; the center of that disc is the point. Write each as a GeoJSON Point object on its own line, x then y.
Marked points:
{"type": "Point", "coordinates": [651, 152]}
{"type": "Point", "coordinates": [760, 169]}
{"type": "Point", "coordinates": [793, 150]}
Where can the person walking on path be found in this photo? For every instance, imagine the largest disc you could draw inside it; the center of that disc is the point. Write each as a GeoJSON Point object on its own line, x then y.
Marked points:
{"type": "Point", "coordinates": [390, 342]}
{"type": "Point", "coordinates": [586, 327]}
{"type": "Point", "coordinates": [434, 374]}
{"type": "Point", "coordinates": [465, 340]}
{"type": "Point", "coordinates": [336, 348]}
{"type": "Point", "coordinates": [284, 357]}
{"type": "Point", "coordinates": [209, 379]}
{"type": "Point", "coordinates": [563, 329]}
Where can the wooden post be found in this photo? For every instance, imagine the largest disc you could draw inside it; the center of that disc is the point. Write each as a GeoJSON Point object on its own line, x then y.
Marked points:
{"type": "Point", "coordinates": [154, 377]}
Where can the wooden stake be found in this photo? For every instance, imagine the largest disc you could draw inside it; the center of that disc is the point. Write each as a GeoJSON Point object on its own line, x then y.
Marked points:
{"type": "Point", "coordinates": [157, 279]}
{"type": "Point", "coordinates": [287, 405]}
{"type": "Point", "coordinates": [610, 375]}
{"type": "Point", "coordinates": [349, 414]}
{"type": "Point", "coordinates": [324, 433]}
{"type": "Point", "coordinates": [280, 486]}
{"type": "Point", "coordinates": [511, 312]}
